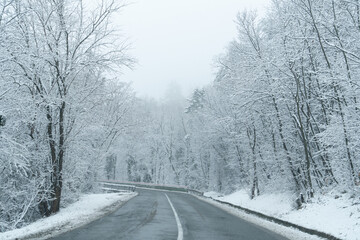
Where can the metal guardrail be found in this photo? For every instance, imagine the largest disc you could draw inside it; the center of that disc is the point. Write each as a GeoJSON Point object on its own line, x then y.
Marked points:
{"type": "Point", "coordinates": [117, 187]}
{"type": "Point", "coordinates": [153, 186]}
{"type": "Point", "coordinates": [112, 190]}
{"type": "Point", "coordinates": [195, 192]}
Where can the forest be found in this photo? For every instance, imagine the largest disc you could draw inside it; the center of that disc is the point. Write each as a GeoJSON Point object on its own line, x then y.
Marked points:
{"type": "Point", "coordinates": [281, 114]}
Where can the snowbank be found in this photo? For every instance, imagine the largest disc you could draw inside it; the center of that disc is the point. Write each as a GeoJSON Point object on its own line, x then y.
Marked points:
{"type": "Point", "coordinates": [336, 214]}
{"type": "Point", "coordinates": [287, 232]}
{"type": "Point", "coordinates": [213, 194]}
{"type": "Point", "coordinates": [89, 208]}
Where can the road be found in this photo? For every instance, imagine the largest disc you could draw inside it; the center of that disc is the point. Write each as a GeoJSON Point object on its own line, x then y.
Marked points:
{"type": "Point", "coordinates": [150, 215]}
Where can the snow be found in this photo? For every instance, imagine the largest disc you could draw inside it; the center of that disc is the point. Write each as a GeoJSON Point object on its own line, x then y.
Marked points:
{"type": "Point", "coordinates": [281, 203]}
{"type": "Point", "coordinates": [287, 232]}
{"type": "Point", "coordinates": [213, 194]}
{"type": "Point", "coordinates": [89, 208]}
{"type": "Point", "coordinates": [336, 214]}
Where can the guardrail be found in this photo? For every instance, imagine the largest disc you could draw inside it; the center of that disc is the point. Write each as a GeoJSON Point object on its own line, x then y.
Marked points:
{"type": "Point", "coordinates": [154, 186]}
{"type": "Point", "coordinates": [117, 187]}
{"type": "Point", "coordinates": [195, 192]}
{"type": "Point", "coordinates": [112, 190]}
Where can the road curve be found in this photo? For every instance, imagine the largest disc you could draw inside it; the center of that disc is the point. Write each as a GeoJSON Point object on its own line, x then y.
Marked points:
{"type": "Point", "coordinates": [150, 216]}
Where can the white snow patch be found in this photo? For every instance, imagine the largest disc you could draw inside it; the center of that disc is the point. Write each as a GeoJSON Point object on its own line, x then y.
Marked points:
{"type": "Point", "coordinates": [213, 194]}
{"type": "Point", "coordinates": [275, 205]}
{"type": "Point", "coordinates": [339, 217]}
{"type": "Point", "coordinates": [89, 208]}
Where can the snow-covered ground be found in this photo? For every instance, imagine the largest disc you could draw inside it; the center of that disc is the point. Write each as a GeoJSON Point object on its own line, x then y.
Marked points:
{"type": "Point", "coordinates": [89, 208]}
{"type": "Point", "coordinates": [336, 214]}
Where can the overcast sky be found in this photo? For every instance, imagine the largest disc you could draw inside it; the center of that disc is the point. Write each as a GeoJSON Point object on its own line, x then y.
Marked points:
{"type": "Point", "coordinates": [177, 40]}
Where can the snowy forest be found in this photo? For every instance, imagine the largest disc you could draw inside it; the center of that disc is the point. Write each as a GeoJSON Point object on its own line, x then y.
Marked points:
{"type": "Point", "coordinates": [281, 115]}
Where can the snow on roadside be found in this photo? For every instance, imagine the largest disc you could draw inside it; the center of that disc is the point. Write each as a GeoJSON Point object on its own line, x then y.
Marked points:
{"type": "Point", "coordinates": [275, 205]}
{"type": "Point", "coordinates": [338, 216]}
{"type": "Point", "coordinates": [213, 194]}
{"type": "Point", "coordinates": [287, 232]}
{"type": "Point", "coordinates": [89, 208]}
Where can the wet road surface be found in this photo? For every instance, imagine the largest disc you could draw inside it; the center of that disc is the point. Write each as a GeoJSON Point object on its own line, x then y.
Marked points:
{"type": "Point", "coordinates": [150, 216]}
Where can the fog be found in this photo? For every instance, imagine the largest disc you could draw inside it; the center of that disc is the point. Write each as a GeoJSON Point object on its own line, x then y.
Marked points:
{"type": "Point", "coordinates": [177, 41]}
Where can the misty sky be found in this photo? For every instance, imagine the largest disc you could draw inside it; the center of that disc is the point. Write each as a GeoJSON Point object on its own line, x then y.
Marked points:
{"type": "Point", "coordinates": [177, 40]}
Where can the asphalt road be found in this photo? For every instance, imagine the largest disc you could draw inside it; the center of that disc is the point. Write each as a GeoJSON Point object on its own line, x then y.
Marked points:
{"type": "Point", "coordinates": [150, 216]}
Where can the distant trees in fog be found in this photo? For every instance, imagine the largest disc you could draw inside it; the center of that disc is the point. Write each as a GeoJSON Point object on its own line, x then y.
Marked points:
{"type": "Point", "coordinates": [281, 115]}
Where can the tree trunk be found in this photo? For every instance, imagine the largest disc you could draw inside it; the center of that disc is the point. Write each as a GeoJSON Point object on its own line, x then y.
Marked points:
{"type": "Point", "coordinates": [252, 142]}
{"type": "Point", "coordinates": [59, 183]}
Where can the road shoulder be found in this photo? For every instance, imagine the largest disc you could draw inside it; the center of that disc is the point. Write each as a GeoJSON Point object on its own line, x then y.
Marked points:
{"type": "Point", "coordinates": [89, 208]}
{"type": "Point", "coordinates": [287, 232]}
